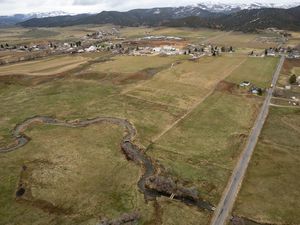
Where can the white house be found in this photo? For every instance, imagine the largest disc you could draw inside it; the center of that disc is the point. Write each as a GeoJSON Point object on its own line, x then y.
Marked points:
{"type": "Point", "coordinates": [245, 84]}
{"type": "Point", "coordinates": [91, 49]}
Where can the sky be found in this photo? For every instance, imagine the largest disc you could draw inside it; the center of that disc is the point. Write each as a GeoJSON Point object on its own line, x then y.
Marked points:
{"type": "Point", "coordinates": [9, 7]}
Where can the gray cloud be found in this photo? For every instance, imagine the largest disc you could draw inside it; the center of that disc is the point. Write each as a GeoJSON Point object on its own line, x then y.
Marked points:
{"type": "Point", "coordinates": [87, 2]}
{"type": "Point", "coordinates": [9, 7]}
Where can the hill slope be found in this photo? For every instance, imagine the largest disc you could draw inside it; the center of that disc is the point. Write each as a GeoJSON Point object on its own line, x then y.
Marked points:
{"type": "Point", "coordinates": [135, 17]}
{"type": "Point", "coordinates": [17, 18]}
{"type": "Point", "coordinates": [244, 20]}
{"type": "Point", "coordinates": [250, 20]}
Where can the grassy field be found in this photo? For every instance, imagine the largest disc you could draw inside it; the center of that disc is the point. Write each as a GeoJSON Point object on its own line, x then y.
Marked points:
{"type": "Point", "coordinates": [39, 33]}
{"type": "Point", "coordinates": [294, 40]}
{"type": "Point", "coordinates": [200, 150]}
{"type": "Point", "coordinates": [20, 35]}
{"type": "Point", "coordinates": [174, 213]}
{"type": "Point", "coordinates": [270, 193]}
{"type": "Point", "coordinates": [241, 40]}
{"type": "Point", "coordinates": [296, 71]}
{"type": "Point", "coordinates": [63, 178]}
{"type": "Point", "coordinates": [255, 70]}
{"type": "Point", "coordinates": [133, 64]}
{"type": "Point", "coordinates": [187, 33]}
{"type": "Point", "coordinates": [44, 67]}
{"type": "Point", "coordinates": [283, 95]}
{"type": "Point", "coordinates": [187, 82]}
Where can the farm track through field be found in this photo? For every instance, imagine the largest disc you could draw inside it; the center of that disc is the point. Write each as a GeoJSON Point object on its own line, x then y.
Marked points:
{"type": "Point", "coordinates": [284, 106]}
{"type": "Point", "coordinates": [217, 37]}
{"type": "Point", "coordinates": [132, 152]}
{"type": "Point", "coordinates": [226, 74]}
{"type": "Point", "coordinates": [61, 74]}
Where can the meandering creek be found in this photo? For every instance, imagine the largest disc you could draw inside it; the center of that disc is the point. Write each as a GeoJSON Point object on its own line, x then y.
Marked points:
{"type": "Point", "coordinates": [131, 151]}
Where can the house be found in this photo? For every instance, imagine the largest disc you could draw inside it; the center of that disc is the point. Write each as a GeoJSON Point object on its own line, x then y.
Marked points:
{"type": "Point", "coordinates": [67, 45]}
{"type": "Point", "coordinates": [296, 54]}
{"type": "Point", "coordinates": [91, 49]}
{"type": "Point", "coordinates": [271, 52]}
{"type": "Point", "coordinates": [245, 84]}
{"type": "Point", "coordinates": [156, 49]}
{"type": "Point", "coordinates": [256, 90]}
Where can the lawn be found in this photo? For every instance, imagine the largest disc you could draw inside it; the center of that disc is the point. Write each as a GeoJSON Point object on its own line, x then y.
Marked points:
{"type": "Point", "coordinates": [270, 192]}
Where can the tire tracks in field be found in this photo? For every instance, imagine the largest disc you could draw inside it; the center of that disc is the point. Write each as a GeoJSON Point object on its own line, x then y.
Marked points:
{"type": "Point", "coordinates": [226, 74]}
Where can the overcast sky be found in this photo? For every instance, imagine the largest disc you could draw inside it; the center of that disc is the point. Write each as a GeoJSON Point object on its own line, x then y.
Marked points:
{"type": "Point", "coordinates": [9, 7]}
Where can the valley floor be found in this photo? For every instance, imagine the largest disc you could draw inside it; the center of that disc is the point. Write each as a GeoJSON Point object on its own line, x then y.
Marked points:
{"type": "Point", "coordinates": [192, 120]}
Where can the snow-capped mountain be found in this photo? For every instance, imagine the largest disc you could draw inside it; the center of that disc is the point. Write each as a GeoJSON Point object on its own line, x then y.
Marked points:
{"type": "Point", "coordinates": [46, 14]}
{"type": "Point", "coordinates": [17, 18]}
{"type": "Point", "coordinates": [234, 7]}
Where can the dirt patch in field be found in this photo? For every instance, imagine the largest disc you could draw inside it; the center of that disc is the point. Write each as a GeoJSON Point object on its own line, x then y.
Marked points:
{"type": "Point", "coordinates": [142, 75]}
{"type": "Point", "coordinates": [91, 76]}
{"type": "Point", "coordinates": [289, 64]}
{"type": "Point", "coordinates": [225, 86]}
{"type": "Point", "coordinates": [244, 221]}
{"type": "Point", "coordinates": [24, 192]}
{"type": "Point", "coordinates": [28, 80]}
{"type": "Point", "coordinates": [155, 43]}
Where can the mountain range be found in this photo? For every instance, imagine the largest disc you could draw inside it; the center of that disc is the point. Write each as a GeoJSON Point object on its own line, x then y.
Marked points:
{"type": "Point", "coordinates": [17, 18]}
{"type": "Point", "coordinates": [240, 17]}
{"type": "Point", "coordinates": [248, 20]}
{"type": "Point", "coordinates": [235, 7]}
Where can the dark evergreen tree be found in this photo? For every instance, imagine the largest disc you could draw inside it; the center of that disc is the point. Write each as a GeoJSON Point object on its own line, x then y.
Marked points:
{"type": "Point", "coordinates": [293, 79]}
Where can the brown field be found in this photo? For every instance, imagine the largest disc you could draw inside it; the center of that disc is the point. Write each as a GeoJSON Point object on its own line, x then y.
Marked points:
{"type": "Point", "coordinates": [44, 67]}
{"type": "Point", "coordinates": [190, 117]}
{"type": "Point", "coordinates": [189, 77]}
{"type": "Point", "coordinates": [270, 193]}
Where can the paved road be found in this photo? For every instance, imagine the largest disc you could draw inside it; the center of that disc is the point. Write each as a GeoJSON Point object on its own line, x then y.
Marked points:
{"type": "Point", "coordinates": [225, 206]}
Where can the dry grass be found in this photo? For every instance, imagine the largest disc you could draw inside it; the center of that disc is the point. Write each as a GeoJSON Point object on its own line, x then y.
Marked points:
{"type": "Point", "coordinates": [270, 192]}
{"type": "Point", "coordinates": [188, 82]}
{"type": "Point", "coordinates": [69, 173]}
{"type": "Point", "coordinates": [186, 33]}
{"type": "Point", "coordinates": [203, 147]}
{"type": "Point", "coordinates": [44, 67]}
{"type": "Point", "coordinates": [240, 40]}
{"type": "Point", "coordinates": [256, 70]}
{"type": "Point", "coordinates": [174, 213]}
{"type": "Point", "coordinates": [133, 64]}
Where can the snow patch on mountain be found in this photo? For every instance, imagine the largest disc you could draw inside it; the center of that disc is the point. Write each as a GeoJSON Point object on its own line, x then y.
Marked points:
{"type": "Point", "coordinates": [223, 7]}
